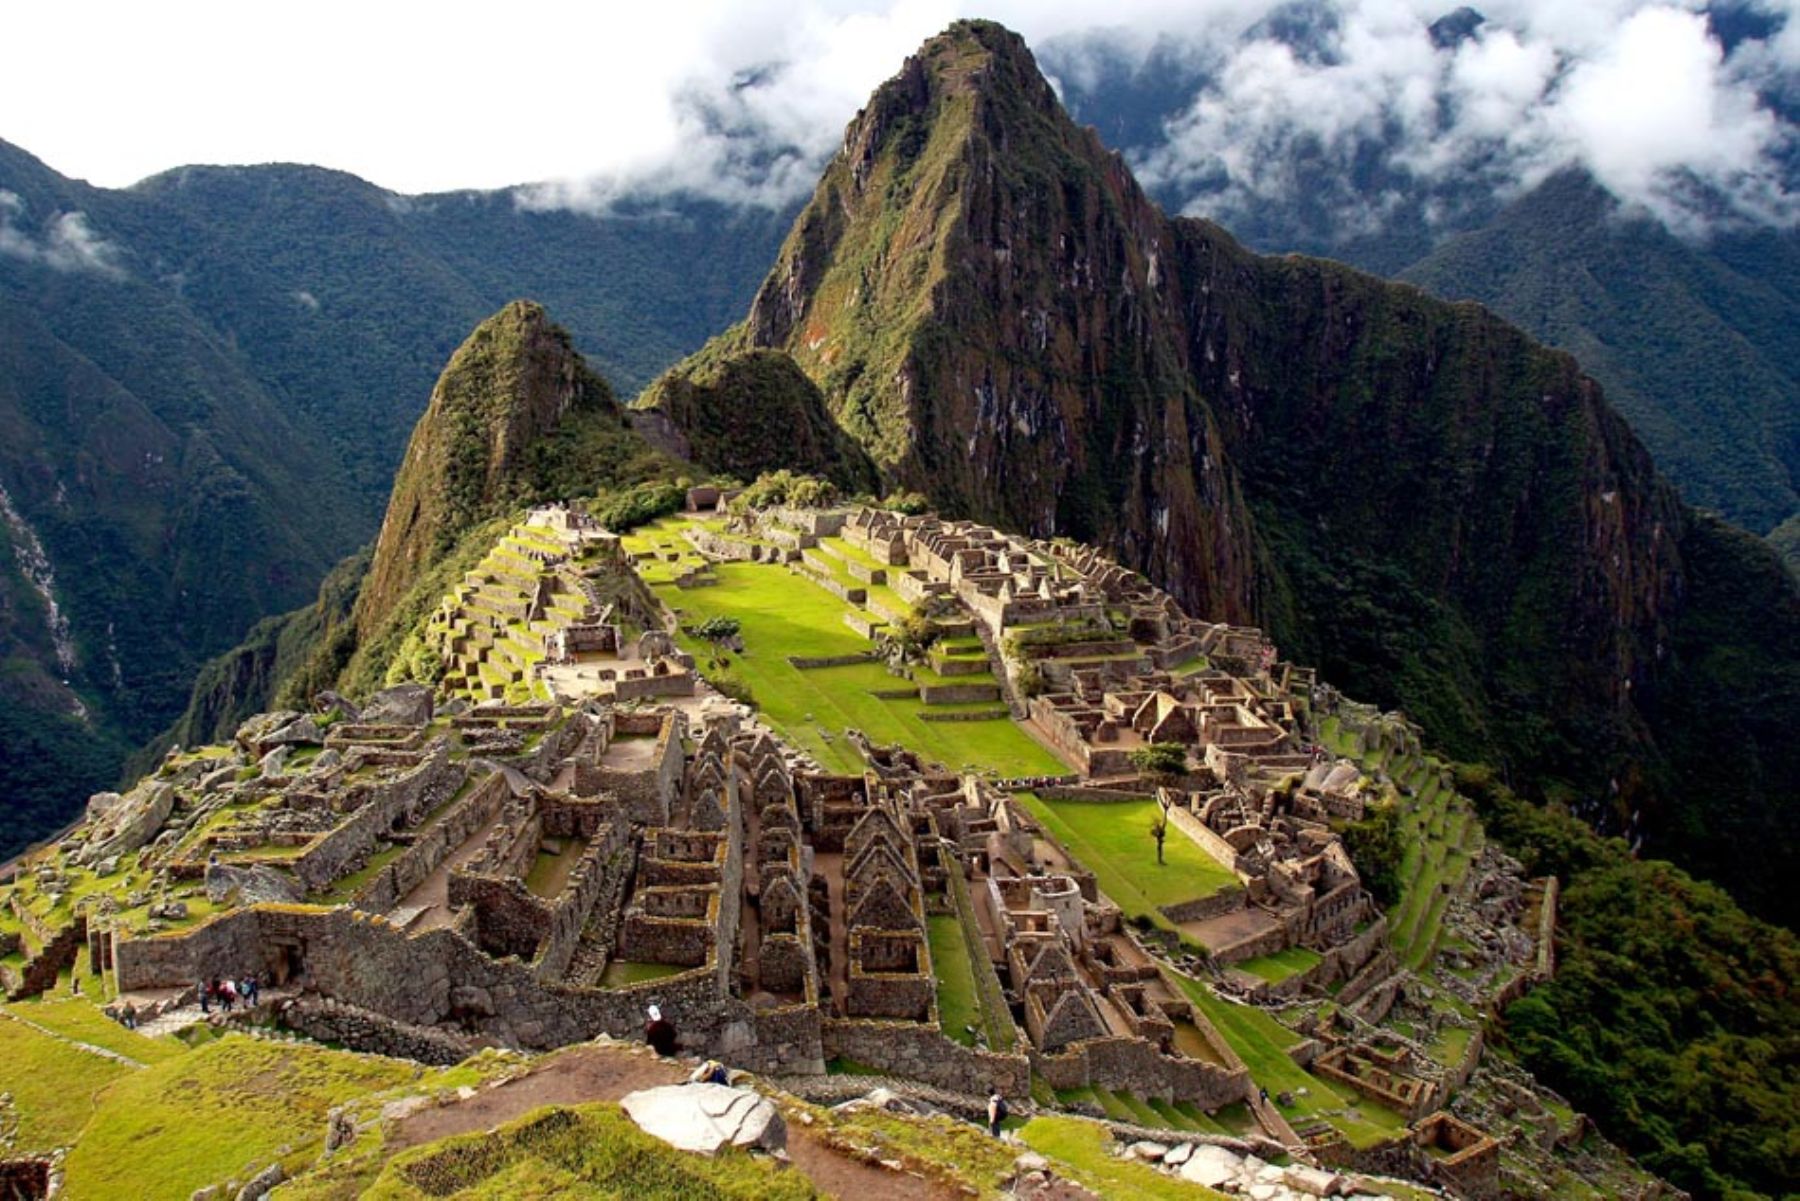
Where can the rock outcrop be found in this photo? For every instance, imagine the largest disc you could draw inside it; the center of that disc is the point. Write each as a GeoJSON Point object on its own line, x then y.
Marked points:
{"type": "Point", "coordinates": [706, 1117]}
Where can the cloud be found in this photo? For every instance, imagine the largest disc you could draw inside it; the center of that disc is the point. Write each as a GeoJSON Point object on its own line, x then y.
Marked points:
{"type": "Point", "coordinates": [1641, 95]}
{"type": "Point", "coordinates": [745, 101]}
{"type": "Point", "coordinates": [68, 242]}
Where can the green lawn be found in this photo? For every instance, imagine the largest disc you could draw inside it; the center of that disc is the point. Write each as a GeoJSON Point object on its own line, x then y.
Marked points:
{"type": "Point", "coordinates": [959, 1005]}
{"type": "Point", "coordinates": [1112, 840]}
{"type": "Point", "coordinates": [1279, 966]}
{"type": "Point", "coordinates": [53, 1085]}
{"type": "Point", "coordinates": [1262, 1043]}
{"type": "Point", "coordinates": [784, 615]}
{"type": "Point", "coordinates": [619, 973]}
{"type": "Point", "coordinates": [80, 1019]}
{"type": "Point", "coordinates": [216, 1113]}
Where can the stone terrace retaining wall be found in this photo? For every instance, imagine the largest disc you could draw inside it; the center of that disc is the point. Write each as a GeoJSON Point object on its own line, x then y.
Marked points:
{"type": "Point", "coordinates": [921, 1052]}
{"type": "Point", "coordinates": [439, 976]}
{"type": "Point", "coordinates": [593, 877]}
{"type": "Point", "coordinates": [1136, 1066]}
{"type": "Point", "coordinates": [329, 1021]}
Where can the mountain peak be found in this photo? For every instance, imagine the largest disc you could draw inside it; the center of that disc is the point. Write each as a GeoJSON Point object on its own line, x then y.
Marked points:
{"type": "Point", "coordinates": [514, 382]}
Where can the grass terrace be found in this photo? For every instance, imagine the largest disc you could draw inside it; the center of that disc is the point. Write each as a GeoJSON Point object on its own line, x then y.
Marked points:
{"type": "Point", "coordinates": [53, 1085]}
{"type": "Point", "coordinates": [222, 1111]}
{"type": "Point", "coordinates": [1112, 839]}
{"type": "Point", "coordinates": [621, 974]}
{"type": "Point", "coordinates": [1263, 1044]}
{"type": "Point", "coordinates": [783, 615]}
{"type": "Point", "coordinates": [1281, 965]}
{"type": "Point", "coordinates": [1087, 1150]}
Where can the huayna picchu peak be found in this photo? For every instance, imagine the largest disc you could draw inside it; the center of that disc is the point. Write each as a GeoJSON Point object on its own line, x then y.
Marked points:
{"type": "Point", "coordinates": [1052, 703]}
{"type": "Point", "coordinates": [1407, 491]}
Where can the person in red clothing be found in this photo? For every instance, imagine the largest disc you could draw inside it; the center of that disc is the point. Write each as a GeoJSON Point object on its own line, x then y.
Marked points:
{"type": "Point", "coordinates": [659, 1032]}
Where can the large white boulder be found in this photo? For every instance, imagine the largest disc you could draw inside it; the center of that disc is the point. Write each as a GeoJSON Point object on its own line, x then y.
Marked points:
{"type": "Point", "coordinates": [1211, 1167]}
{"type": "Point", "coordinates": [705, 1117]}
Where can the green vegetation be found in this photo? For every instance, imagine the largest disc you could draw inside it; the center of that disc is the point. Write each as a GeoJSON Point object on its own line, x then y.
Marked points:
{"type": "Point", "coordinates": [588, 1149]}
{"type": "Point", "coordinates": [1263, 1044]}
{"type": "Point", "coordinates": [1084, 1147]}
{"type": "Point", "coordinates": [1279, 966]}
{"type": "Point", "coordinates": [80, 1019]}
{"type": "Point", "coordinates": [958, 1156]}
{"type": "Point", "coordinates": [1160, 759]}
{"type": "Point", "coordinates": [53, 1084]}
{"type": "Point", "coordinates": [1671, 1019]}
{"type": "Point", "coordinates": [621, 973]}
{"type": "Point", "coordinates": [224, 1110]}
{"type": "Point", "coordinates": [782, 615]}
{"type": "Point", "coordinates": [749, 412]}
{"type": "Point", "coordinates": [959, 1005]}
{"type": "Point", "coordinates": [1112, 840]}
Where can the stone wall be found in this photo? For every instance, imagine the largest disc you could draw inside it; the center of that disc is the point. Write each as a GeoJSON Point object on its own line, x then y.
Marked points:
{"type": "Point", "coordinates": [957, 694]}
{"type": "Point", "coordinates": [348, 846]}
{"type": "Point", "coordinates": [593, 877]}
{"type": "Point", "coordinates": [1135, 1066]}
{"type": "Point", "coordinates": [397, 880]}
{"type": "Point", "coordinates": [920, 1052]}
{"type": "Point", "coordinates": [359, 1029]}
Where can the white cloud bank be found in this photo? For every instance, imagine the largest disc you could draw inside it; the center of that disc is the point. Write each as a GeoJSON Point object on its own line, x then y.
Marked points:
{"type": "Point", "coordinates": [1642, 95]}
{"type": "Point", "coordinates": [744, 100]}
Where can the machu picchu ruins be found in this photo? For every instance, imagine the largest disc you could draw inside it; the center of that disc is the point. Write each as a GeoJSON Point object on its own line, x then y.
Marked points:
{"type": "Point", "coordinates": [1082, 848]}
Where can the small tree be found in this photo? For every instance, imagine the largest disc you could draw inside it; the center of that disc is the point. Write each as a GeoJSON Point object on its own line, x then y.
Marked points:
{"type": "Point", "coordinates": [718, 629]}
{"type": "Point", "coordinates": [1161, 760]}
{"type": "Point", "coordinates": [1159, 830]}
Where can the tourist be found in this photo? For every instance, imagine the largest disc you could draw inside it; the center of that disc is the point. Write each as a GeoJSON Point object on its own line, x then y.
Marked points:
{"type": "Point", "coordinates": [996, 1112]}
{"type": "Point", "coordinates": [710, 1072]}
{"type": "Point", "coordinates": [128, 1016]}
{"type": "Point", "coordinates": [205, 991]}
{"type": "Point", "coordinates": [659, 1032]}
{"type": "Point", "coordinates": [228, 995]}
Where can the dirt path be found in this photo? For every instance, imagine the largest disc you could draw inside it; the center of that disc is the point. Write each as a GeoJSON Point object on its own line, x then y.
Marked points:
{"type": "Point", "coordinates": [588, 1074]}
{"type": "Point", "coordinates": [572, 1078]}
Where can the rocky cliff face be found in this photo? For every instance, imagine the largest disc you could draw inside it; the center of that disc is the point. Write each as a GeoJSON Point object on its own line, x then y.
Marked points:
{"type": "Point", "coordinates": [1445, 515]}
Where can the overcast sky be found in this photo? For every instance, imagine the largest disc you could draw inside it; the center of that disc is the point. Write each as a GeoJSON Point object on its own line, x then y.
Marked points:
{"type": "Point", "coordinates": [745, 99]}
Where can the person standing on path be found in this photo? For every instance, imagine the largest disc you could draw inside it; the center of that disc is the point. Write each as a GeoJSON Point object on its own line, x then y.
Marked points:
{"type": "Point", "coordinates": [996, 1112]}
{"type": "Point", "coordinates": [659, 1032]}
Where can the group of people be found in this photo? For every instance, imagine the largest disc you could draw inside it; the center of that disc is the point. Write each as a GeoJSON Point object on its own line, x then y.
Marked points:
{"type": "Point", "coordinates": [228, 994]}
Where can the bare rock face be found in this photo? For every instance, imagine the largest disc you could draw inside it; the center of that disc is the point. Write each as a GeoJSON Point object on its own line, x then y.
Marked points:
{"type": "Point", "coordinates": [128, 823]}
{"type": "Point", "coordinates": [403, 705]}
{"type": "Point", "coordinates": [251, 885]}
{"type": "Point", "coordinates": [705, 1117]}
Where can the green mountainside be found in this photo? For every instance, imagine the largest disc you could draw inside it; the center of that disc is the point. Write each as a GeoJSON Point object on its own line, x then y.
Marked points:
{"type": "Point", "coordinates": [207, 380]}
{"type": "Point", "coordinates": [1443, 515]}
{"type": "Point", "coordinates": [516, 418]}
{"type": "Point", "coordinates": [1698, 345]}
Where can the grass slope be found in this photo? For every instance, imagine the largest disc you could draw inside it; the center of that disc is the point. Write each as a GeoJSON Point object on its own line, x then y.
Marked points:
{"type": "Point", "coordinates": [1112, 840]}
{"type": "Point", "coordinates": [223, 1111]}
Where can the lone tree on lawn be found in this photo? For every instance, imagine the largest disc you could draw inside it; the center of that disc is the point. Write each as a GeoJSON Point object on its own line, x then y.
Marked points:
{"type": "Point", "coordinates": [1159, 830]}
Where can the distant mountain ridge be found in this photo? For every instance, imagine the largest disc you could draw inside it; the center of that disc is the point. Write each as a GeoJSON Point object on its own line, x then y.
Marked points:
{"type": "Point", "coordinates": [206, 381]}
